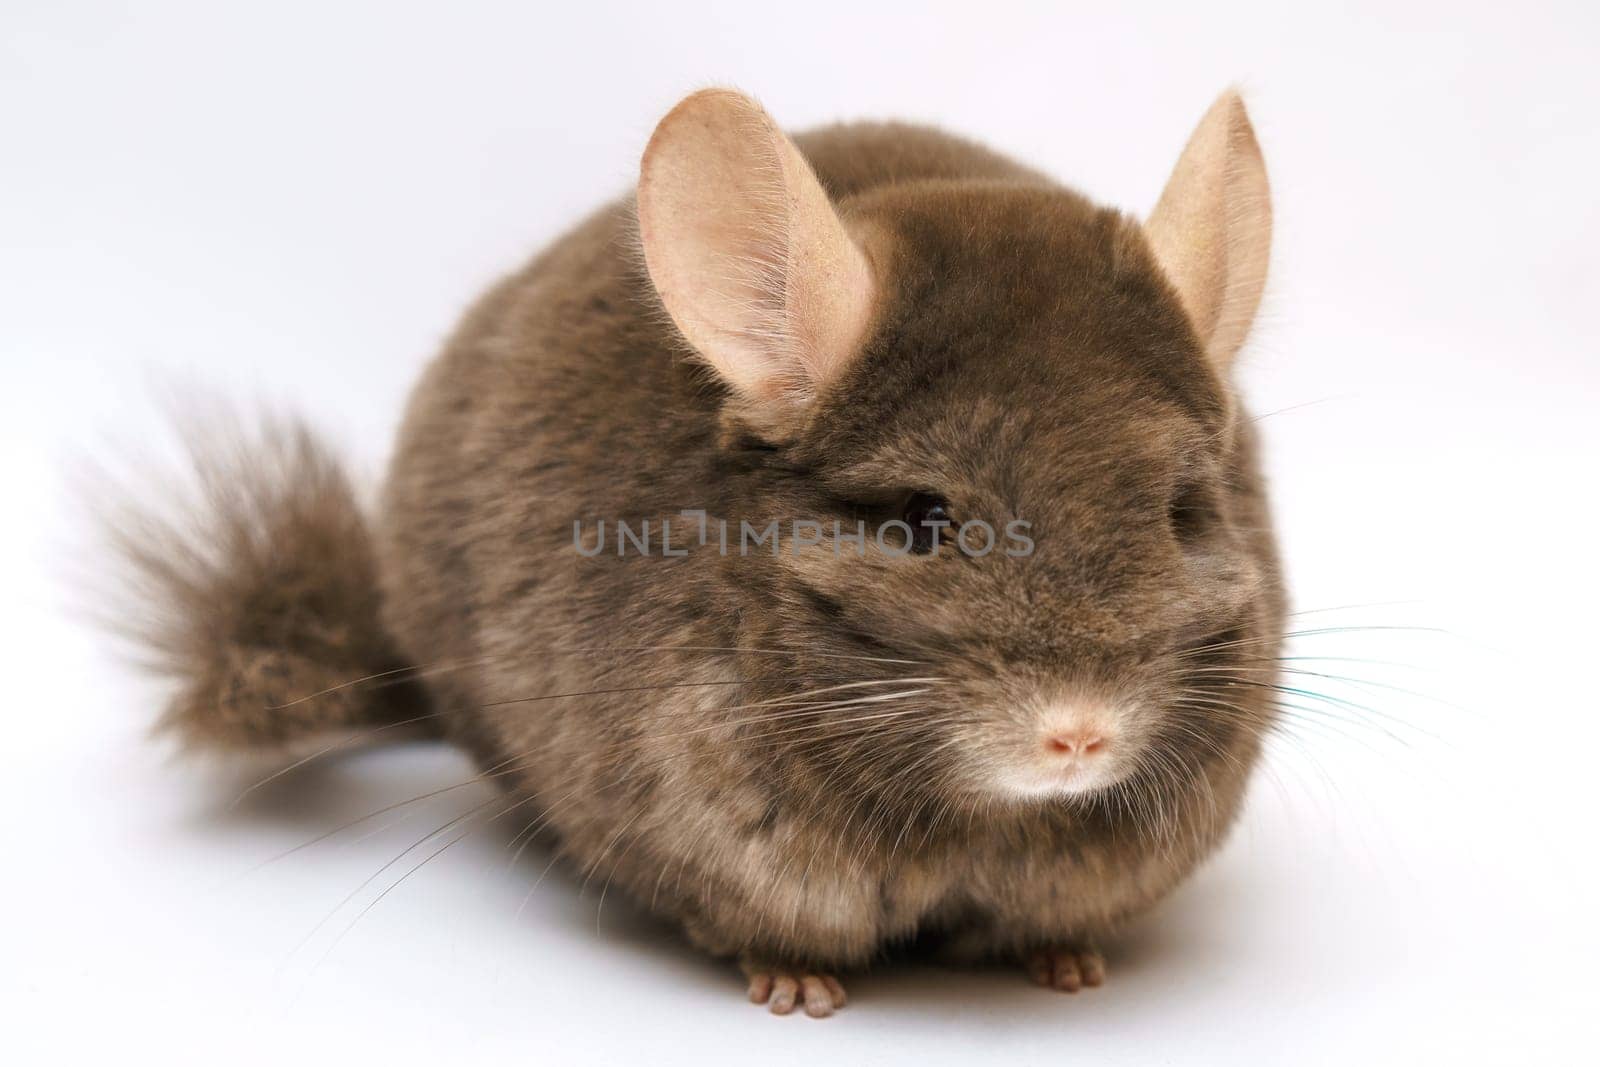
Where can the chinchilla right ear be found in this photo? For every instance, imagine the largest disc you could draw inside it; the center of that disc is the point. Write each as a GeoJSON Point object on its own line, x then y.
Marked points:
{"type": "Point", "coordinates": [748, 256]}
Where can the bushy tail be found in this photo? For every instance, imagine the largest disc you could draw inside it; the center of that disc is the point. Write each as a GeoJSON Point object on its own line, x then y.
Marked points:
{"type": "Point", "coordinates": [261, 600]}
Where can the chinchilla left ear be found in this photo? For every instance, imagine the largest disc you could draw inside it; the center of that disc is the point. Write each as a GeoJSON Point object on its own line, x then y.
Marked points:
{"type": "Point", "coordinates": [1212, 228]}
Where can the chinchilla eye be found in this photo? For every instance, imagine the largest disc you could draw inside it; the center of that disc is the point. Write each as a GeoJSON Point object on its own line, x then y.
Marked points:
{"type": "Point", "coordinates": [928, 515]}
{"type": "Point", "coordinates": [1190, 513]}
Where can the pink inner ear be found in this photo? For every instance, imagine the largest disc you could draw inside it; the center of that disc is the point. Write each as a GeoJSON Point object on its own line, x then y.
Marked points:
{"type": "Point", "coordinates": [746, 252]}
{"type": "Point", "coordinates": [1212, 229]}
{"type": "Point", "coordinates": [831, 288]}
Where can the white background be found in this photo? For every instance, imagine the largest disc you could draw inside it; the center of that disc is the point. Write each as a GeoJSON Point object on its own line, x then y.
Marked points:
{"type": "Point", "coordinates": [294, 204]}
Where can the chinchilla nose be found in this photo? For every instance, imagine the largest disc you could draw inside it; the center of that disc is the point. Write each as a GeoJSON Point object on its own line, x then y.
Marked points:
{"type": "Point", "coordinates": [1085, 742]}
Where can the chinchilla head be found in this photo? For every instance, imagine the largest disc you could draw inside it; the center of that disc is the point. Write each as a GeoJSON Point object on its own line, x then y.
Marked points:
{"type": "Point", "coordinates": [1031, 539]}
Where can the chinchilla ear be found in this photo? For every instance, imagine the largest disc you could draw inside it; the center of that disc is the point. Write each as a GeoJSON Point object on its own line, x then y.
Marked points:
{"type": "Point", "coordinates": [748, 255]}
{"type": "Point", "coordinates": [1212, 229]}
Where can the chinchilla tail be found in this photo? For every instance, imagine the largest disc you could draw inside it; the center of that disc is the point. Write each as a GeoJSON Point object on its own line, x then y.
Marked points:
{"type": "Point", "coordinates": [259, 597]}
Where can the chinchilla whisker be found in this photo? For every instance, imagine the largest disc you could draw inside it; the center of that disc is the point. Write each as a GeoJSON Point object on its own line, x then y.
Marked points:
{"type": "Point", "coordinates": [605, 851]}
{"type": "Point", "coordinates": [1361, 629]}
{"type": "Point", "coordinates": [661, 760]}
{"type": "Point", "coordinates": [1320, 631]}
{"type": "Point", "coordinates": [821, 711]}
{"type": "Point", "coordinates": [1365, 660]}
{"type": "Point", "coordinates": [429, 858]}
{"type": "Point", "coordinates": [795, 730]}
{"type": "Point", "coordinates": [381, 828]}
{"type": "Point", "coordinates": [528, 834]}
{"type": "Point", "coordinates": [442, 667]}
{"type": "Point", "coordinates": [844, 686]}
{"type": "Point", "coordinates": [408, 671]}
{"type": "Point", "coordinates": [1316, 718]}
{"type": "Point", "coordinates": [1299, 407]}
{"type": "Point", "coordinates": [843, 764]}
{"type": "Point", "coordinates": [780, 723]}
{"type": "Point", "coordinates": [1286, 663]}
{"type": "Point", "coordinates": [1332, 701]}
{"type": "Point", "coordinates": [605, 887]}
{"type": "Point", "coordinates": [792, 707]}
{"type": "Point", "coordinates": [442, 828]}
{"type": "Point", "coordinates": [337, 830]}
{"type": "Point", "coordinates": [494, 771]}
{"type": "Point", "coordinates": [693, 685]}
{"type": "Point", "coordinates": [609, 692]}
{"type": "Point", "coordinates": [1366, 683]}
{"type": "Point", "coordinates": [1189, 729]}
{"type": "Point", "coordinates": [1290, 714]}
{"type": "Point", "coordinates": [1279, 724]}
{"type": "Point", "coordinates": [343, 743]}
{"type": "Point", "coordinates": [1369, 606]}
{"type": "Point", "coordinates": [1334, 726]}
{"type": "Point", "coordinates": [884, 809]}
{"type": "Point", "coordinates": [834, 723]}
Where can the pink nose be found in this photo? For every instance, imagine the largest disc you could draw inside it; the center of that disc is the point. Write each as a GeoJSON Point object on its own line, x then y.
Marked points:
{"type": "Point", "coordinates": [1075, 743]}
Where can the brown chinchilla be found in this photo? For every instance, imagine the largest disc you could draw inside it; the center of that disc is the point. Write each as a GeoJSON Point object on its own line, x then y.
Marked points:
{"type": "Point", "coordinates": [847, 540]}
